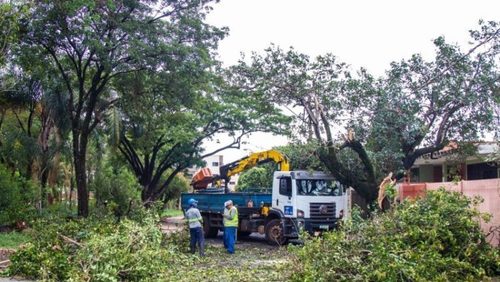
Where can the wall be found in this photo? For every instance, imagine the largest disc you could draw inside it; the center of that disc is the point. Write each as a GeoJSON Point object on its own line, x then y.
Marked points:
{"type": "Point", "coordinates": [488, 189]}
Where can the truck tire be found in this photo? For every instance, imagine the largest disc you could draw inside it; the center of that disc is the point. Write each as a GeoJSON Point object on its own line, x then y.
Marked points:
{"type": "Point", "coordinates": [274, 233]}
{"type": "Point", "coordinates": [210, 232]}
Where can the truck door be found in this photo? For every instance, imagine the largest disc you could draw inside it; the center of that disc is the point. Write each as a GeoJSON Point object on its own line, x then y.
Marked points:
{"type": "Point", "coordinates": [282, 197]}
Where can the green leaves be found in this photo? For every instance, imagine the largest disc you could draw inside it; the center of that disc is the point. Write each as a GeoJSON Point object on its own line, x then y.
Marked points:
{"type": "Point", "coordinates": [435, 238]}
{"type": "Point", "coordinates": [257, 177]}
{"type": "Point", "coordinates": [381, 125]}
{"type": "Point", "coordinates": [18, 198]}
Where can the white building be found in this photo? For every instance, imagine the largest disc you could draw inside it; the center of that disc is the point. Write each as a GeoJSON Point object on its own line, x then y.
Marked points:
{"type": "Point", "coordinates": [444, 165]}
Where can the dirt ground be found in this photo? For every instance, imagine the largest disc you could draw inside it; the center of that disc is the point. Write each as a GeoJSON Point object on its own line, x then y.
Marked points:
{"type": "Point", "coordinates": [254, 259]}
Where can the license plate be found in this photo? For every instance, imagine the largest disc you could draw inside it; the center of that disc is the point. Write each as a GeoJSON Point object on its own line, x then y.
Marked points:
{"type": "Point", "coordinates": [324, 227]}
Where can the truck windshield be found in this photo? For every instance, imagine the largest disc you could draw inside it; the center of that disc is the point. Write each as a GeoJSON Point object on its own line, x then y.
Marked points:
{"type": "Point", "coordinates": [319, 187]}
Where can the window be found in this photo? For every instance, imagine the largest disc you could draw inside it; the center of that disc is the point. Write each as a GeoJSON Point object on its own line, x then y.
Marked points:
{"type": "Point", "coordinates": [215, 163]}
{"type": "Point", "coordinates": [482, 171]}
{"type": "Point", "coordinates": [319, 187]}
{"type": "Point", "coordinates": [286, 186]}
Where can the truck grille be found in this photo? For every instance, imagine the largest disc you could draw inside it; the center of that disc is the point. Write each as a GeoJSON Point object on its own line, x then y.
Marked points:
{"type": "Point", "coordinates": [322, 212]}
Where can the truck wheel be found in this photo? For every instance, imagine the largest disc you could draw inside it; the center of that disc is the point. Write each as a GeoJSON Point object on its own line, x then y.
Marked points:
{"type": "Point", "coordinates": [210, 232]}
{"type": "Point", "coordinates": [274, 233]}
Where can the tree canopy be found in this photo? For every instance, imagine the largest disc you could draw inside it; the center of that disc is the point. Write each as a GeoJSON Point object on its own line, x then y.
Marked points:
{"type": "Point", "coordinates": [92, 43]}
{"type": "Point", "coordinates": [368, 126]}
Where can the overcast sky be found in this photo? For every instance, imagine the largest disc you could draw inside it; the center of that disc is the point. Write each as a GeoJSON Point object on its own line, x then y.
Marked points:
{"type": "Point", "coordinates": [369, 33]}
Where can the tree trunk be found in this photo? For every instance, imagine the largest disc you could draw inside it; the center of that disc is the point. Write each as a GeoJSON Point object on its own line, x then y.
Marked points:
{"type": "Point", "coordinates": [54, 168]}
{"type": "Point", "coordinates": [81, 186]}
{"type": "Point", "coordinates": [80, 152]}
{"type": "Point", "coordinates": [45, 201]}
{"type": "Point", "coordinates": [365, 188]}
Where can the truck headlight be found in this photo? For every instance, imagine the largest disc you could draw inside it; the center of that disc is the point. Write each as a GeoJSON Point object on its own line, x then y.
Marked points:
{"type": "Point", "coordinates": [300, 213]}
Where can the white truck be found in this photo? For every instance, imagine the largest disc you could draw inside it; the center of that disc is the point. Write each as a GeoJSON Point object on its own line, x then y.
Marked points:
{"type": "Point", "coordinates": [313, 201]}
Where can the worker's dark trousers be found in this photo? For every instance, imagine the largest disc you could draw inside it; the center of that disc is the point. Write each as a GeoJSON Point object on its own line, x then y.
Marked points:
{"type": "Point", "coordinates": [197, 237]}
{"type": "Point", "coordinates": [229, 239]}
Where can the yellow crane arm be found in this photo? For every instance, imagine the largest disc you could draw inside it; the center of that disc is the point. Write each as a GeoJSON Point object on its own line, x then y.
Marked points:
{"type": "Point", "coordinates": [253, 160]}
{"type": "Point", "coordinates": [204, 177]}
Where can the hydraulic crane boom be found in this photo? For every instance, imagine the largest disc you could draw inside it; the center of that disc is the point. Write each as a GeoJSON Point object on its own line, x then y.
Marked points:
{"type": "Point", "coordinates": [238, 166]}
{"type": "Point", "coordinates": [254, 159]}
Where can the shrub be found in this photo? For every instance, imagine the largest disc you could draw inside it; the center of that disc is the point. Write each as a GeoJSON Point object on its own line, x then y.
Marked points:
{"type": "Point", "coordinates": [100, 250]}
{"type": "Point", "coordinates": [132, 252]}
{"type": "Point", "coordinates": [436, 238]}
{"type": "Point", "coordinates": [49, 254]}
{"type": "Point", "coordinates": [178, 185]}
{"type": "Point", "coordinates": [115, 191]}
{"type": "Point", "coordinates": [17, 200]}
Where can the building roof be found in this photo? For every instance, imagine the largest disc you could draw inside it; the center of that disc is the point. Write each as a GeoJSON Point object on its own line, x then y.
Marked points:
{"type": "Point", "coordinates": [484, 148]}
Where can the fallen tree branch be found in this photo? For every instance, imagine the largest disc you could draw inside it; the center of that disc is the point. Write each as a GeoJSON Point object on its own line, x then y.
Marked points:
{"type": "Point", "coordinates": [69, 240]}
{"type": "Point", "coordinates": [381, 191]}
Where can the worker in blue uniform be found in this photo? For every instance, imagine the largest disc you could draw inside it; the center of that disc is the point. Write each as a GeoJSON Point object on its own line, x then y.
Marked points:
{"type": "Point", "coordinates": [195, 222]}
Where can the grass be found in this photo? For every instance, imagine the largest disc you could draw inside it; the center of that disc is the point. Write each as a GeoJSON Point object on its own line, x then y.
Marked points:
{"type": "Point", "coordinates": [12, 240]}
{"type": "Point", "coordinates": [171, 213]}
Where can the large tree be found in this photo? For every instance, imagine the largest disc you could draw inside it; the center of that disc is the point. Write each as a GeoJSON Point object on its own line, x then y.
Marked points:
{"type": "Point", "coordinates": [93, 42]}
{"type": "Point", "coordinates": [166, 117]}
{"type": "Point", "coordinates": [367, 127]}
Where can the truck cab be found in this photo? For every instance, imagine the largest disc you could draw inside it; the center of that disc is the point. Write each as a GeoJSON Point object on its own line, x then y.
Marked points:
{"type": "Point", "coordinates": [313, 201]}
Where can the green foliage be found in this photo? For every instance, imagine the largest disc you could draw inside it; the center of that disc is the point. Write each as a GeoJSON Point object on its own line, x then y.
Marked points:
{"type": "Point", "coordinates": [46, 256]}
{"type": "Point", "coordinates": [17, 147]}
{"type": "Point", "coordinates": [100, 250]}
{"type": "Point", "coordinates": [17, 199]}
{"type": "Point", "coordinates": [384, 123]}
{"type": "Point", "coordinates": [132, 252]}
{"type": "Point", "coordinates": [436, 238]}
{"type": "Point", "coordinates": [12, 240]}
{"type": "Point", "coordinates": [256, 177]}
{"type": "Point", "coordinates": [91, 45]}
{"type": "Point", "coordinates": [302, 156]}
{"type": "Point", "coordinates": [115, 190]}
{"type": "Point", "coordinates": [178, 185]}
{"type": "Point", "coordinates": [9, 20]}
{"type": "Point", "coordinates": [56, 211]}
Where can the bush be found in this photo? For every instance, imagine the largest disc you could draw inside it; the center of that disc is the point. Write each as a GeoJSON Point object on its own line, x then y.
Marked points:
{"type": "Point", "coordinates": [436, 238]}
{"type": "Point", "coordinates": [100, 250]}
{"type": "Point", "coordinates": [178, 185]}
{"type": "Point", "coordinates": [115, 191]}
{"type": "Point", "coordinates": [256, 177]}
{"type": "Point", "coordinates": [132, 253]}
{"type": "Point", "coordinates": [17, 200]}
{"type": "Point", "coordinates": [49, 255]}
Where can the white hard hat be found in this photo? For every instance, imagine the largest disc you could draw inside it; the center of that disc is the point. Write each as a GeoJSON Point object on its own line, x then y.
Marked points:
{"type": "Point", "coordinates": [227, 203]}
